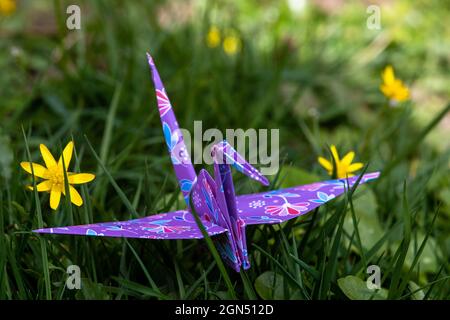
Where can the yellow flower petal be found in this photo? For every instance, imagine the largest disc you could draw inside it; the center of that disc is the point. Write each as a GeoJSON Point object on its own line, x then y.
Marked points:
{"type": "Point", "coordinates": [231, 45]}
{"type": "Point", "coordinates": [348, 158]}
{"type": "Point", "coordinates": [7, 7]}
{"type": "Point", "coordinates": [402, 93]}
{"type": "Point", "coordinates": [386, 90]}
{"type": "Point", "coordinates": [326, 164]}
{"type": "Point", "coordinates": [78, 178]}
{"type": "Point", "coordinates": [75, 197]}
{"type": "Point", "coordinates": [55, 197]}
{"type": "Point", "coordinates": [47, 156]}
{"type": "Point", "coordinates": [43, 186]}
{"type": "Point", "coordinates": [393, 88]}
{"type": "Point", "coordinates": [67, 154]}
{"type": "Point", "coordinates": [343, 173]}
{"type": "Point", "coordinates": [334, 153]}
{"type": "Point", "coordinates": [388, 75]}
{"type": "Point", "coordinates": [39, 171]}
{"type": "Point", "coordinates": [213, 37]}
{"type": "Point", "coordinates": [355, 166]}
{"type": "Point", "coordinates": [341, 168]}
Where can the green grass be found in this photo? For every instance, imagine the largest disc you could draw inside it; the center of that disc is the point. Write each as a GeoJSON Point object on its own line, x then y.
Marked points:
{"type": "Point", "coordinates": [314, 75]}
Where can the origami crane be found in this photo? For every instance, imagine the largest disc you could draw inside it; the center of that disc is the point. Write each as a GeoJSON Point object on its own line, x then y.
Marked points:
{"type": "Point", "coordinates": [223, 214]}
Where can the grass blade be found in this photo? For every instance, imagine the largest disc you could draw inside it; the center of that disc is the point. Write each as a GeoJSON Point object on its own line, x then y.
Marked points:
{"type": "Point", "coordinates": [42, 242]}
{"type": "Point", "coordinates": [214, 252]}
{"type": "Point", "coordinates": [119, 191]}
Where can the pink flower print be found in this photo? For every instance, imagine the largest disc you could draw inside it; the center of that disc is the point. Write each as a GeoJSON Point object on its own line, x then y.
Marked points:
{"type": "Point", "coordinates": [163, 102]}
{"type": "Point", "coordinates": [287, 208]}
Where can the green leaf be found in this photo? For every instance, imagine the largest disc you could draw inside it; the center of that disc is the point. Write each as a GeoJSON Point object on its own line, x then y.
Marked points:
{"type": "Point", "coordinates": [427, 261]}
{"type": "Point", "coordinates": [92, 291]}
{"type": "Point", "coordinates": [417, 293]}
{"type": "Point", "coordinates": [369, 225]}
{"type": "Point", "coordinates": [292, 176]}
{"type": "Point", "coordinates": [269, 285]}
{"type": "Point", "coordinates": [356, 289]}
{"type": "Point", "coordinates": [223, 295]}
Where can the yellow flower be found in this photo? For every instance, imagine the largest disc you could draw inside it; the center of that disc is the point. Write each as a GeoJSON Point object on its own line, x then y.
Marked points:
{"type": "Point", "coordinates": [213, 37]}
{"type": "Point", "coordinates": [344, 167]}
{"type": "Point", "coordinates": [7, 7]}
{"type": "Point", "coordinates": [393, 88]}
{"type": "Point", "coordinates": [231, 44]}
{"type": "Point", "coordinates": [53, 175]}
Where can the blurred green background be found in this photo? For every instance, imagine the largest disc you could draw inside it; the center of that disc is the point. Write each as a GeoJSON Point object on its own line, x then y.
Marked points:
{"type": "Point", "coordinates": [310, 68]}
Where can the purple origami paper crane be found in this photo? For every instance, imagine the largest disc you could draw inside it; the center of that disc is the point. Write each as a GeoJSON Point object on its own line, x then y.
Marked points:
{"type": "Point", "coordinates": [223, 214]}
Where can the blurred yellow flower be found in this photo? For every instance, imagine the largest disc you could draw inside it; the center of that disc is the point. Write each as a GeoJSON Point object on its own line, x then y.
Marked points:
{"type": "Point", "coordinates": [53, 175]}
{"type": "Point", "coordinates": [231, 44]}
{"type": "Point", "coordinates": [340, 168]}
{"type": "Point", "coordinates": [213, 37]}
{"type": "Point", "coordinates": [7, 7]}
{"type": "Point", "coordinates": [393, 88]}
